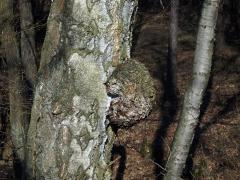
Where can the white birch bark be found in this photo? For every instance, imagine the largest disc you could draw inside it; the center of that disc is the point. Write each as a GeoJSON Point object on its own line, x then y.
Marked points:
{"type": "Point", "coordinates": [193, 97]}
{"type": "Point", "coordinates": [68, 135]}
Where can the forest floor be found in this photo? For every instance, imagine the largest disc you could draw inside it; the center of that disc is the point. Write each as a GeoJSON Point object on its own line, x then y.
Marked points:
{"type": "Point", "coordinates": [142, 150]}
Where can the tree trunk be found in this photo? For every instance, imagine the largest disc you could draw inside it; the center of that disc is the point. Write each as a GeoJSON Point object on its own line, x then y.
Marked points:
{"type": "Point", "coordinates": [28, 51]}
{"type": "Point", "coordinates": [3, 105]}
{"type": "Point", "coordinates": [68, 136]}
{"type": "Point", "coordinates": [16, 83]}
{"type": "Point", "coordinates": [172, 51]}
{"type": "Point", "coordinates": [193, 97]}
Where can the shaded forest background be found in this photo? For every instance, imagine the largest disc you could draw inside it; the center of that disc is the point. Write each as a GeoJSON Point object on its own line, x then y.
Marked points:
{"type": "Point", "coordinates": [140, 151]}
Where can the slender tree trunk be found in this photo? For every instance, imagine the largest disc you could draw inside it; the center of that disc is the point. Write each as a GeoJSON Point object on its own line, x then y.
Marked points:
{"type": "Point", "coordinates": [17, 86]}
{"type": "Point", "coordinates": [172, 50]}
{"type": "Point", "coordinates": [28, 51]}
{"type": "Point", "coordinates": [3, 105]}
{"type": "Point", "coordinates": [68, 136]}
{"type": "Point", "coordinates": [193, 97]}
{"type": "Point", "coordinates": [220, 36]}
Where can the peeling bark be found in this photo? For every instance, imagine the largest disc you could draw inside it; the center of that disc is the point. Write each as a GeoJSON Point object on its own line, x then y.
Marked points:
{"type": "Point", "coordinates": [68, 136]}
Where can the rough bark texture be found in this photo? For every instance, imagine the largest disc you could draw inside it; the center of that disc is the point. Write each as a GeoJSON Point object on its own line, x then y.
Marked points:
{"type": "Point", "coordinates": [17, 101]}
{"type": "Point", "coordinates": [193, 98]}
{"type": "Point", "coordinates": [68, 136]}
{"type": "Point", "coordinates": [132, 90]}
{"type": "Point", "coordinates": [28, 51]}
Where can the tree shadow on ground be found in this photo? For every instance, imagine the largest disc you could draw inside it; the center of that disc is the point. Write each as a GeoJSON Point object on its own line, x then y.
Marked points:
{"type": "Point", "coordinates": [120, 150]}
{"type": "Point", "coordinates": [152, 44]}
{"type": "Point", "coordinates": [169, 108]}
{"type": "Point", "coordinates": [203, 127]}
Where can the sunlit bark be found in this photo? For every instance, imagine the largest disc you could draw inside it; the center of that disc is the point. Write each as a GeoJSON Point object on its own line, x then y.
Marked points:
{"type": "Point", "coordinates": [68, 136]}
{"type": "Point", "coordinates": [193, 97]}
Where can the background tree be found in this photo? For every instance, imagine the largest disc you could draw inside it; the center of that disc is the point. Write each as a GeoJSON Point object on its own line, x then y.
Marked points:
{"type": "Point", "coordinates": [193, 97]}
{"type": "Point", "coordinates": [20, 57]}
{"type": "Point", "coordinates": [172, 51]}
{"type": "Point", "coordinates": [28, 50]}
{"type": "Point", "coordinates": [17, 86]}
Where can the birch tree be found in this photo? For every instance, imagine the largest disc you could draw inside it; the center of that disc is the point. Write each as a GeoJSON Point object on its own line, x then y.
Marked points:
{"type": "Point", "coordinates": [69, 136]}
{"type": "Point", "coordinates": [193, 97]}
